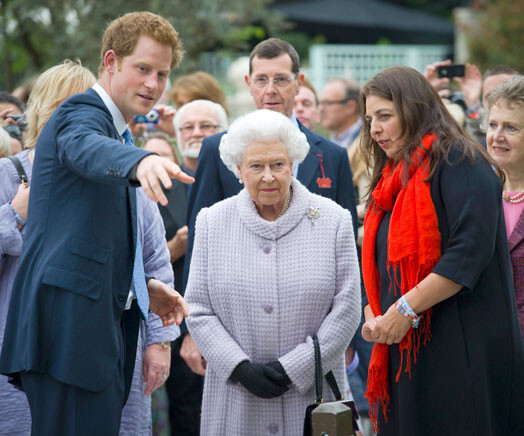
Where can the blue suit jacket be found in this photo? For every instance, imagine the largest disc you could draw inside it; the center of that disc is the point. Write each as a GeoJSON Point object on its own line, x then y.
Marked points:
{"type": "Point", "coordinates": [214, 181]}
{"type": "Point", "coordinates": [77, 261]}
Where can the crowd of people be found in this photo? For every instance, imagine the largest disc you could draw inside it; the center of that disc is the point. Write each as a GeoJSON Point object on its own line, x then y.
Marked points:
{"type": "Point", "coordinates": [396, 245]}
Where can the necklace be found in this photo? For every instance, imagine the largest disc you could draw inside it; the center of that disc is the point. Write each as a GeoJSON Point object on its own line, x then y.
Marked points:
{"type": "Point", "coordinates": [286, 204]}
{"type": "Point", "coordinates": [515, 198]}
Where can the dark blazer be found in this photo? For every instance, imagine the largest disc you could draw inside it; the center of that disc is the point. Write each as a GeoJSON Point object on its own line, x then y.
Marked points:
{"type": "Point", "coordinates": [516, 252]}
{"type": "Point", "coordinates": [174, 216]}
{"type": "Point", "coordinates": [76, 266]}
{"type": "Point", "coordinates": [214, 182]}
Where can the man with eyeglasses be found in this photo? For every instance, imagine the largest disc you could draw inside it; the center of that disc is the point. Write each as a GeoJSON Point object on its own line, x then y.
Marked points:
{"type": "Point", "coordinates": [274, 81]}
{"type": "Point", "coordinates": [339, 111]}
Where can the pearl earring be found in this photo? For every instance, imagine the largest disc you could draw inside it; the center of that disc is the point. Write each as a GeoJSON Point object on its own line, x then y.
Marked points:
{"type": "Point", "coordinates": [240, 181]}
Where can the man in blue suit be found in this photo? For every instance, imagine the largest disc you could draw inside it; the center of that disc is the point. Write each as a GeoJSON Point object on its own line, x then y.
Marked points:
{"type": "Point", "coordinates": [71, 331]}
{"type": "Point", "coordinates": [274, 80]}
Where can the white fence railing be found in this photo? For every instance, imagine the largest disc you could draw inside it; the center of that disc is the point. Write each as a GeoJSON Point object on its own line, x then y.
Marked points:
{"type": "Point", "coordinates": [361, 62]}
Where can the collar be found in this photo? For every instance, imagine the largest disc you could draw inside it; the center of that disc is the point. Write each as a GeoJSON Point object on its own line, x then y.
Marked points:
{"type": "Point", "coordinates": [293, 118]}
{"type": "Point", "coordinates": [118, 118]}
{"type": "Point", "coordinates": [347, 136]}
{"type": "Point", "coordinates": [300, 202]}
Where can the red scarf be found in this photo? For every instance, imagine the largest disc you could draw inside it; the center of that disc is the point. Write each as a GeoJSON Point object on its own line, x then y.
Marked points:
{"type": "Point", "coordinates": [413, 247]}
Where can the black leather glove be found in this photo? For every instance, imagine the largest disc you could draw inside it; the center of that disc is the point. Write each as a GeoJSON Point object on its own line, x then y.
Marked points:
{"type": "Point", "coordinates": [259, 379]}
{"type": "Point", "coordinates": [277, 366]}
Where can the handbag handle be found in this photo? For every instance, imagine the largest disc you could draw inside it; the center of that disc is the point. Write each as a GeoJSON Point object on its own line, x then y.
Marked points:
{"type": "Point", "coordinates": [318, 371]}
{"type": "Point", "coordinates": [318, 376]}
{"type": "Point", "coordinates": [19, 168]}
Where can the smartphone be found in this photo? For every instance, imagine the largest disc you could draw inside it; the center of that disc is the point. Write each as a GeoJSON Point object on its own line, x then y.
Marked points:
{"type": "Point", "coordinates": [453, 70]}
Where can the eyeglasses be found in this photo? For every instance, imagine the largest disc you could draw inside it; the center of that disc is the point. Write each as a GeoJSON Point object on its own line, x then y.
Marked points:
{"type": "Point", "coordinates": [279, 81]}
{"type": "Point", "coordinates": [204, 128]}
{"type": "Point", "coordinates": [332, 102]}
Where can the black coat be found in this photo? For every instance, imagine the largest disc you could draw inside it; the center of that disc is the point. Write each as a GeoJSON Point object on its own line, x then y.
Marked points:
{"type": "Point", "coordinates": [174, 216]}
{"type": "Point", "coordinates": [469, 378]}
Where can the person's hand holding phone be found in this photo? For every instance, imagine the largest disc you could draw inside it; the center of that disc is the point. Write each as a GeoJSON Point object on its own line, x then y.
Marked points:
{"type": "Point", "coordinates": [471, 86]}
{"type": "Point", "coordinates": [432, 76]}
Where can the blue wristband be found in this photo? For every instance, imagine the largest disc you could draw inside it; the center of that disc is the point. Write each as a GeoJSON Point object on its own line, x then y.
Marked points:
{"type": "Point", "coordinates": [18, 218]}
{"type": "Point", "coordinates": [405, 309]}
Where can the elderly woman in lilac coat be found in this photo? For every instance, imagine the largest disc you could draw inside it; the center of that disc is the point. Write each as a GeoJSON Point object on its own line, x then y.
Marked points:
{"type": "Point", "coordinates": [152, 360]}
{"type": "Point", "coordinates": [272, 267]}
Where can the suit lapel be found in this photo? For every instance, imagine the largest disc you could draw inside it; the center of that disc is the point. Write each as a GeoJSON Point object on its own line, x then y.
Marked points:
{"type": "Point", "coordinates": [517, 234]}
{"type": "Point", "coordinates": [131, 192]}
{"type": "Point", "coordinates": [308, 168]}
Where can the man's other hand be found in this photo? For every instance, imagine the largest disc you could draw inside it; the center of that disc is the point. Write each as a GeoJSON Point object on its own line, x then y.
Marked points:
{"type": "Point", "coordinates": [167, 303]}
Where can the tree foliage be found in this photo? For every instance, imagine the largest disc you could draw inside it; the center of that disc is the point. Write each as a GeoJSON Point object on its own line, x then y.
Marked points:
{"type": "Point", "coordinates": [499, 37]}
{"type": "Point", "coordinates": [36, 34]}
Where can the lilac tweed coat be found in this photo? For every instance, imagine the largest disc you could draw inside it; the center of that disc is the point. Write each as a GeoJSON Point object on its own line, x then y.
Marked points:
{"type": "Point", "coordinates": [516, 251]}
{"type": "Point", "coordinates": [259, 290]}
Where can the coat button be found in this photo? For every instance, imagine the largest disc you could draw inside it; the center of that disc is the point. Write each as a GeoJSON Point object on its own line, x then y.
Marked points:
{"type": "Point", "coordinates": [268, 309]}
{"type": "Point", "coordinates": [272, 428]}
{"type": "Point", "coordinates": [122, 297]}
{"type": "Point", "coordinates": [267, 249]}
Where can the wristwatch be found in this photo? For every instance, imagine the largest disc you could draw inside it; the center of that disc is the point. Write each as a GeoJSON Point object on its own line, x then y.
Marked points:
{"type": "Point", "coordinates": [165, 345]}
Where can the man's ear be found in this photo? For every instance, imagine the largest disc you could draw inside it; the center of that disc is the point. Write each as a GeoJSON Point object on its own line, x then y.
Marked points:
{"type": "Point", "coordinates": [247, 79]}
{"type": "Point", "coordinates": [300, 81]}
{"type": "Point", "coordinates": [353, 105]}
{"type": "Point", "coordinates": [110, 61]}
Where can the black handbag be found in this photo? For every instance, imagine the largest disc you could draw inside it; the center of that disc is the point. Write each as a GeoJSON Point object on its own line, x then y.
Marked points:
{"type": "Point", "coordinates": [330, 378]}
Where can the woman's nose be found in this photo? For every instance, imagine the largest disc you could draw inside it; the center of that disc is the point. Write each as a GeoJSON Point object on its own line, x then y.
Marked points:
{"type": "Point", "coordinates": [268, 175]}
{"type": "Point", "coordinates": [498, 134]}
{"type": "Point", "coordinates": [374, 127]}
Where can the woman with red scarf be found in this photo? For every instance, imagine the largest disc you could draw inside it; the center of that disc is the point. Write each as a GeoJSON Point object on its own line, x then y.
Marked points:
{"type": "Point", "coordinates": [448, 356]}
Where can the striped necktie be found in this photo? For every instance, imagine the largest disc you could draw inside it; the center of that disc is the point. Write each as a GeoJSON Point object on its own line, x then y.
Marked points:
{"type": "Point", "coordinates": [139, 278]}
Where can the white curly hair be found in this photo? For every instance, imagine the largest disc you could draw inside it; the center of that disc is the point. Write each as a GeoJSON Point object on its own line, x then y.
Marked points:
{"type": "Point", "coordinates": [261, 126]}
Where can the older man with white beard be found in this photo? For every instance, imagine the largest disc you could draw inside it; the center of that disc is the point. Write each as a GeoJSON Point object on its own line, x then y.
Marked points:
{"type": "Point", "coordinates": [193, 122]}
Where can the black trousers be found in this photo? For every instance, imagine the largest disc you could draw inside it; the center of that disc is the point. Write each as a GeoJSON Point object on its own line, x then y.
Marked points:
{"type": "Point", "coordinates": [60, 409]}
{"type": "Point", "coordinates": [184, 389]}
